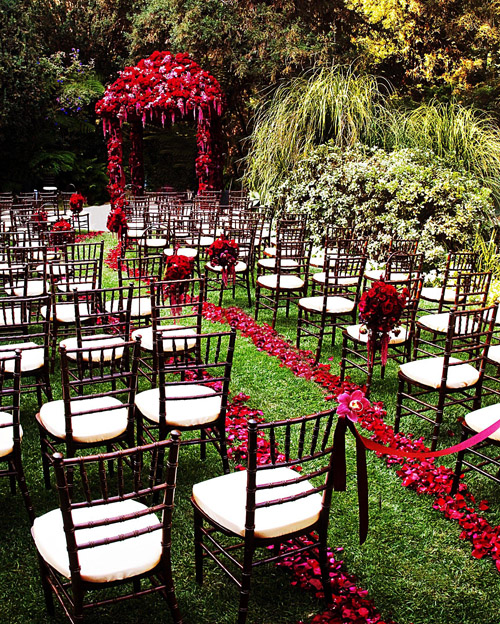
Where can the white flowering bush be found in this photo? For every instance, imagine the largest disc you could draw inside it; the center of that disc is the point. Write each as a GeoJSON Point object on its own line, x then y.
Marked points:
{"type": "Point", "coordinates": [408, 194]}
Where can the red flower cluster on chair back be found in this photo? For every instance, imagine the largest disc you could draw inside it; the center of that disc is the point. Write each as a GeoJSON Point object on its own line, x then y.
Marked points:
{"type": "Point", "coordinates": [117, 221]}
{"type": "Point", "coordinates": [178, 267]}
{"type": "Point", "coordinates": [40, 220]}
{"type": "Point", "coordinates": [62, 233]}
{"type": "Point", "coordinates": [224, 253]}
{"type": "Point", "coordinates": [380, 309]}
{"type": "Point", "coordinates": [76, 202]}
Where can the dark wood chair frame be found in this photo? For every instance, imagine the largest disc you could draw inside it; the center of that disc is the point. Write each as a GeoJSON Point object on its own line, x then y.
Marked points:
{"type": "Point", "coordinates": [305, 442]}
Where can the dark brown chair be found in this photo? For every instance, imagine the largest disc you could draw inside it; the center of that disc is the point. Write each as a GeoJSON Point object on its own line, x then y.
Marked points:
{"type": "Point", "coordinates": [355, 340]}
{"type": "Point", "coordinates": [192, 392]}
{"type": "Point", "coordinates": [144, 270]}
{"type": "Point", "coordinates": [24, 327]}
{"type": "Point", "coordinates": [110, 530]}
{"type": "Point", "coordinates": [284, 278]}
{"type": "Point", "coordinates": [454, 376]}
{"type": "Point", "coordinates": [334, 300]}
{"type": "Point", "coordinates": [176, 314]}
{"type": "Point", "coordinates": [270, 505]}
{"type": "Point", "coordinates": [10, 428]}
{"type": "Point", "coordinates": [97, 408]}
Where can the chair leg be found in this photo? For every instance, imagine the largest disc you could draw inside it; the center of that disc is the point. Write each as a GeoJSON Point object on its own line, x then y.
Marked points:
{"type": "Point", "coordinates": [249, 294]}
{"type": "Point", "coordinates": [438, 421]}
{"type": "Point", "coordinates": [47, 590]}
{"type": "Point", "coordinates": [299, 327]}
{"type": "Point", "coordinates": [45, 461]}
{"type": "Point", "coordinates": [325, 573]}
{"type": "Point", "coordinates": [257, 301]}
{"type": "Point", "coordinates": [245, 585]}
{"type": "Point", "coordinates": [320, 343]}
{"type": "Point", "coordinates": [275, 311]}
{"type": "Point", "coordinates": [343, 359]}
{"type": "Point", "coordinates": [458, 465]}
{"type": "Point", "coordinates": [198, 550]}
{"type": "Point", "coordinates": [399, 405]}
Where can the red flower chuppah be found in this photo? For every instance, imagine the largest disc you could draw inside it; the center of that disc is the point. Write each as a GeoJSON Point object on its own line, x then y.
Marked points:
{"type": "Point", "coordinates": [162, 89]}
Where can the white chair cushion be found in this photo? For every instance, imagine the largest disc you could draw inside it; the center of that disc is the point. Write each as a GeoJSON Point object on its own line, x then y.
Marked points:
{"type": "Point", "coordinates": [320, 278]}
{"type": "Point", "coordinates": [354, 333]}
{"type": "Point", "coordinates": [153, 242]}
{"type": "Point", "coordinates": [494, 354]}
{"type": "Point", "coordinates": [287, 282]}
{"type": "Point", "coordinates": [7, 434]}
{"type": "Point", "coordinates": [190, 252]}
{"type": "Point", "coordinates": [78, 286]}
{"type": "Point", "coordinates": [180, 411]}
{"type": "Point", "coordinates": [270, 251]}
{"type": "Point", "coordinates": [375, 274]}
{"type": "Point", "coordinates": [65, 312]}
{"type": "Point", "coordinates": [434, 294]}
{"type": "Point", "coordinates": [171, 333]}
{"type": "Point", "coordinates": [429, 372]}
{"type": "Point", "coordinates": [34, 288]}
{"type": "Point", "coordinates": [13, 268]}
{"type": "Point", "coordinates": [239, 267]}
{"type": "Point", "coordinates": [334, 305]}
{"type": "Point", "coordinates": [135, 233]}
{"type": "Point", "coordinates": [202, 241]}
{"type": "Point", "coordinates": [481, 419]}
{"type": "Point", "coordinates": [88, 428]}
{"type": "Point", "coordinates": [104, 341]}
{"type": "Point", "coordinates": [32, 356]}
{"type": "Point", "coordinates": [101, 564]}
{"type": "Point", "coordinates": [439, 323]}
{"type": "Point", "coordinates": [224, 500]}
{"type": "Point", "coordinates": [141, 306]}
{"type": "Point", "coordinates": [10, 316]}
{"type": "Point", "coordinates": [270, 263]}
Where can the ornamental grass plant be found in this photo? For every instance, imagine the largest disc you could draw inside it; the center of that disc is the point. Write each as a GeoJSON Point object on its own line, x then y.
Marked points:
{"type": "Point", "coordinates": [413, 564]}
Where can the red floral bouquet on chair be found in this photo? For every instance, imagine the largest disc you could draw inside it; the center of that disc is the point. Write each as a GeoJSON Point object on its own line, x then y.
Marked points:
{"type": "Point", "coordinates": [40, 220]}
{"type": "Point", "coordinates": [76, 202]}
{"type": "Point", "coordinates": [117, 221]}
{"type": "Point", "coordinates": [224, 253]}
{"type": "Point", "coordinates": [178, 268]}
{"type": "Point", "coordinates": [380, 309]}
{"type": "Point", "coordinates": [62, 233]}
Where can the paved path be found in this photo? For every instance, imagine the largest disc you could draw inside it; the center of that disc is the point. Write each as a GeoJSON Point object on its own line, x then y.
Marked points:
{"type": "Point", "coordinates": [98, 217]}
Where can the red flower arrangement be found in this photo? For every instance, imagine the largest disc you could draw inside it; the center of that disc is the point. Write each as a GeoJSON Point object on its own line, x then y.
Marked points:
{"type": "Point", "coordinates": [380, 309]}
{"type": "Point", "coordinates": [39, 220]}
{"type": "Point", "coordinates": [62, 233]}
{"type": "Point", "coordinates": [224, 253]}
{"type": "Point", "coordinates": [76, 202]}
{"type": "Point", "coordinates": [178, 268]}
{"type": "Point", "coordinates": [117, 221]}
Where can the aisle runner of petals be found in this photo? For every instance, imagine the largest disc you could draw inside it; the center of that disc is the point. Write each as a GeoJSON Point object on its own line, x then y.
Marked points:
{"type": "Point", "coordinates": [350, 603]}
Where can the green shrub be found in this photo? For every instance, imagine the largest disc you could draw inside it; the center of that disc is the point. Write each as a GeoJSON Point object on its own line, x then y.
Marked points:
{"type": "Point", "coordinates": [407, 194]}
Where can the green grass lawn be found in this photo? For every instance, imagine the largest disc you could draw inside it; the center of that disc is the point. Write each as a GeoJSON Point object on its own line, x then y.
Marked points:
{"type": "Point", "coordinates": [413, 563]}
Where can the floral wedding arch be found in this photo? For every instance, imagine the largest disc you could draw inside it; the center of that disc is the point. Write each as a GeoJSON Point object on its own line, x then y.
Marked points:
{"type": "Point", "coordinates": [162, 89]}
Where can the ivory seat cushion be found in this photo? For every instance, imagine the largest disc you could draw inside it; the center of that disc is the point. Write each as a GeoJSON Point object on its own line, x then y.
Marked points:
{"type": "Point", "coordinates": [494, 354]}
{"type": "Point", "coordinates": [174, 336]}
{"type": "Point", "coordinates": [101, 564]}
{"type": "Point", "coordinates": [440, 322]}
{"type": "Point", "coordinates": [429, 372]}
{"type": "Point", "coordinates": [270, 263]}
{"type": "Point", "coordinates": [270, 251]}
{"type": "Point", "coordinates": [320, 278]}
{"type": "Point", "coordinates": [239, 267]}
{"type": "Point", "coordinates": [153, 242]}
{"type": "Point", "coordinates": [334, 305]}
{"type": "Point", "coordinates": [224, 500]}
{"type": "Point", "coordinates": [7, 434]}
{"type": "Point", "coordinates": [135, 232]}
{"type": "Point", "coordinates": [202, 241]}
{"type": "Point", "coordinates": [32, 356]}
{"type": "Point", "coordinates": [140, 306]}
{"type": "Point", "coordinates": [190, 252]}
{"type": "Point", "coordinates": [65, 312]}
{"type": "Point", "coordinates": [95, 426]}
{"type": "Point", "coordinates": [375, 274]}
{"type": "Point", "coordinates": [434, 294]}
{"type": "Point", "coordinates": [481, 419]}
{"type": "Point", "coordinates": [11, 316]}
{"type": "Point", "coordinates": [78, 286]}
{"type": "Point", "coordinates": [105, 341]}
{"type": "Point", "coordinates": [354, 332]}
{"type": "Point", "coordinates": [287, 282]}
{"type": "Point", "coordinates": [181, 411]}
{"type": "Point", "coordinates": [34, 288]}
{"type": "Point", "coordinates": [5, 267]}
